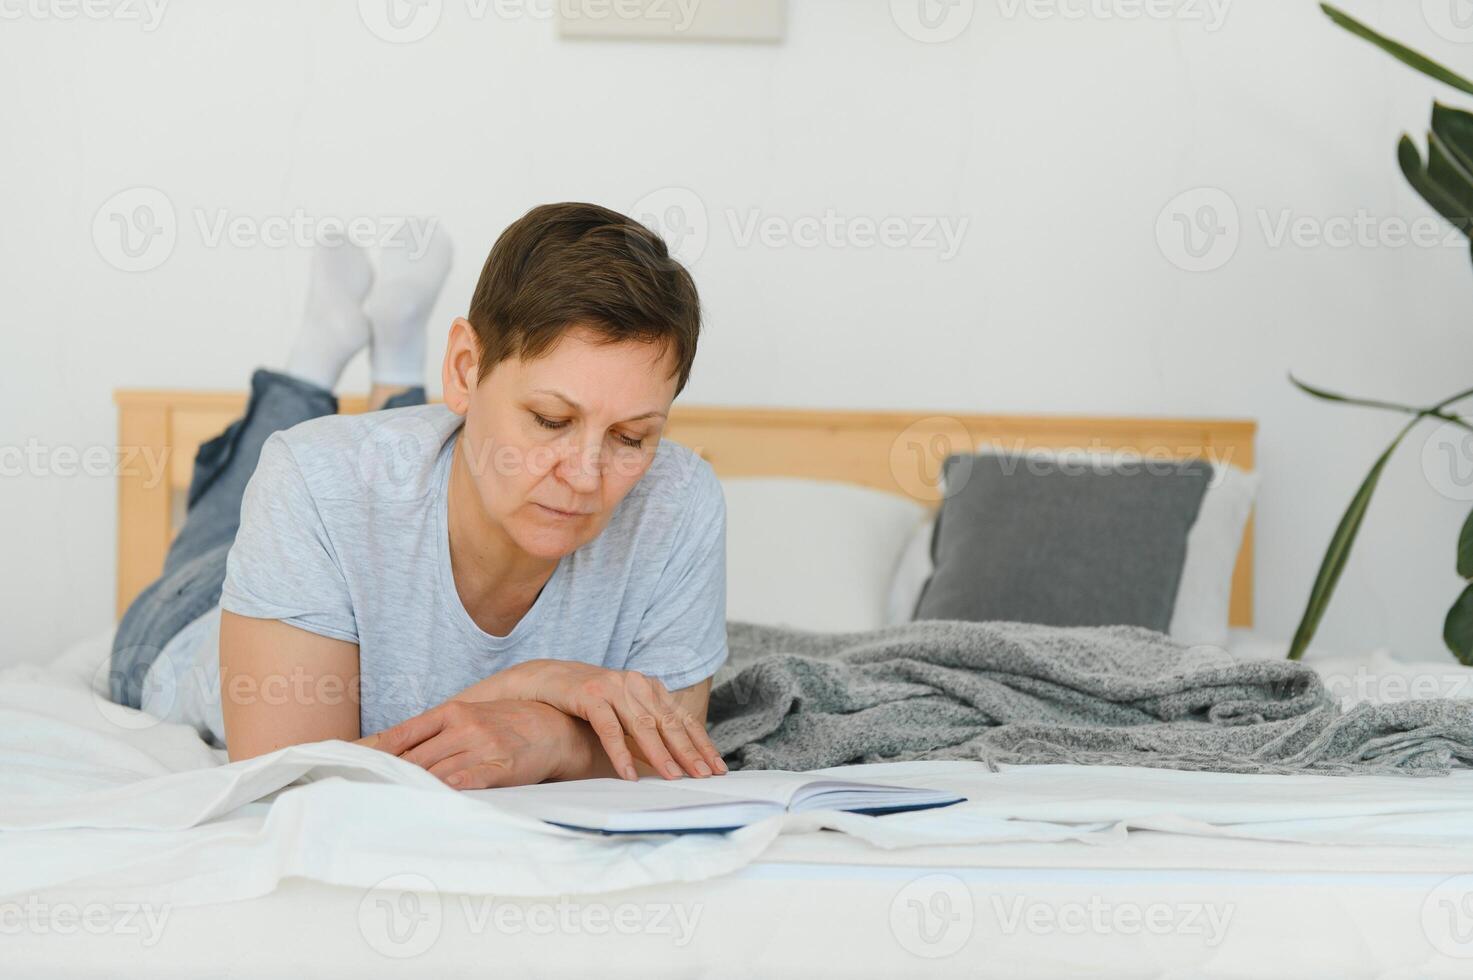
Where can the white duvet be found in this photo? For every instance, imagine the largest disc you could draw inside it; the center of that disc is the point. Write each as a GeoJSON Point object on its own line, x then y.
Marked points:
{"type": "Point", "coordinates": [96, 795]}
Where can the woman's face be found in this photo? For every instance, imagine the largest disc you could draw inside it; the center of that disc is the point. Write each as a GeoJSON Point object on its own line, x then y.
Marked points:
{"type": "Point", "coordinates": [555, 443]}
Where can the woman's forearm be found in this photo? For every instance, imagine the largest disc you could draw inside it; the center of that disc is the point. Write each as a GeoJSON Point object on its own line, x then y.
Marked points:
{"type": "Point", "coordinates": [500, 686]}
{"type": "Point", "coordinates": [583, 753]}
{"type": "Point", "coordinates": [663, 732]}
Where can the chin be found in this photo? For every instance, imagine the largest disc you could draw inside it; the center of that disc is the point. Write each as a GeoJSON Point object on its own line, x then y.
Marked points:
{"type": "Point", "coordinates": [546, 542]}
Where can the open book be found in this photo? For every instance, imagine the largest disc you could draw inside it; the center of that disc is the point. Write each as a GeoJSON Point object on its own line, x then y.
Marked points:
{"type": "Point", "coordinates": [717, 803]}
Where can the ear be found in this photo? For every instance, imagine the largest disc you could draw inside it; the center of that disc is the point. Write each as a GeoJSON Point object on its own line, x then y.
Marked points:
{"type": "Point", "coordinates": [462, 367]}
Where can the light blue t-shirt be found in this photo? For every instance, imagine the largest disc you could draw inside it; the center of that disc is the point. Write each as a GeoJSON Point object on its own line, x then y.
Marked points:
{"type": "Point", "coordinates": [344, 533]}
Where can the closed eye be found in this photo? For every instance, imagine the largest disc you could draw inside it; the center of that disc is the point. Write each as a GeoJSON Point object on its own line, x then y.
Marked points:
{"type": "Point", "coordinates": [548, 423]}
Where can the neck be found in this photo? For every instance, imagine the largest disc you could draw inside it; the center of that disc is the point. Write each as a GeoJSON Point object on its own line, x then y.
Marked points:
{"type": "Point", "coordinates": [489, 567]}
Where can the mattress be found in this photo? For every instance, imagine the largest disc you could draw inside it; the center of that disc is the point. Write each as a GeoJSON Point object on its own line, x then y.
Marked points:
{"type": "Point", "coordinates": [1170, 874]}
{"type": "Point", "coordinates": [1163, 905]}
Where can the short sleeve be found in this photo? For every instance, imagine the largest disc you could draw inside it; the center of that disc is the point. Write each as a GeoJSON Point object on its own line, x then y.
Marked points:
{"type": "Point", "coordinates": [282, 565]}
{"type": "Point", "coordinates": [682, 638]}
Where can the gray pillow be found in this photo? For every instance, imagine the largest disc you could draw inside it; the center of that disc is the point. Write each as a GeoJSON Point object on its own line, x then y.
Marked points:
{"type": "Point", "coordinates": [1082, 541]}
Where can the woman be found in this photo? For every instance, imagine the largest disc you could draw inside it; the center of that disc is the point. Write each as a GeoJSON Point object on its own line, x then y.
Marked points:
{"type": "Point", "coordinates": [524, 583]}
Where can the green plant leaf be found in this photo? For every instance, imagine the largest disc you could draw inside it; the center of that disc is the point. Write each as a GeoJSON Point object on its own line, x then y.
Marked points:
{"type": "Point", "coordinates": [1443, 202]}
{"type": "Point", "coordinates": [1455, 128]}
{"type": "Point", "coordinates": [1438, 411]}
{"type": "Point", "coordinates": [1447, 172]}
{"type": "Point", "coordinates": [1398, 51]}
{"type": "Point", "coordinates": [1457, 629]}
{"type": "Point", "coordinates": [1338, 553]}
{"type": "Point", "coordinates": [1465, 549]}
{"type": "Point", "coordinates": [1435, 411]}
{"type": "Point", "coordinates": [1335, 396]}
{"type": "Point", "coordinates": [1328, 396]}
{"type": "Point", "coordinates": [1451, 399]}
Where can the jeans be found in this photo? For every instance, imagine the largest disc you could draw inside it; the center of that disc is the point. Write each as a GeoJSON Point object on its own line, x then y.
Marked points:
{"type": "Point", "coordinates": [194, 569]}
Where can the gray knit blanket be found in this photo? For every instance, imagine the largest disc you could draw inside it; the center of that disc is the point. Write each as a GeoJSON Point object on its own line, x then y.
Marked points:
{"type": "Point", "coordinates": [1019, 693]}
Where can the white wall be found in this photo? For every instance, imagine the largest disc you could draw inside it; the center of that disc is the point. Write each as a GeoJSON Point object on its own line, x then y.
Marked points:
{"type": "Point", "coordinates": [1059, 139]}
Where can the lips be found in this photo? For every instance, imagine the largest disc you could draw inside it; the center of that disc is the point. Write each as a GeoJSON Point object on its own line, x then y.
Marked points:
{"type": "Point", "coordinates": [563, 513]}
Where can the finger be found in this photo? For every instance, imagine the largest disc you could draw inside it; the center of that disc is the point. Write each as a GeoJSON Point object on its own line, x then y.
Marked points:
{"type": "Point", "coordinates": [457, 770]}
{"type": "Point", "coordinates": [641, 719]}
{"type": "Point", "coordinates": [468, 771]}
{"type": "Point", "coordinates": [605, 724]}
{"type": "Point", "coordinates": [407, 734]}
{"type": "Point", "coordinates": [367, 741]}
{"type": "Point", "coordinates": [673, 726]}
{"type": "Point", "coordinates": [443, 746]}
{"type": "Point", "coordinates": [446, 769]}
{"type": "Point", "coordinates": [703, 743]}
{"type": "Point", "coordinates": [487, 775]}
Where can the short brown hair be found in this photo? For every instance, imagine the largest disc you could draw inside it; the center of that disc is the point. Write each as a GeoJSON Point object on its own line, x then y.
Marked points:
{"type": "Point", "coordinates": [565, 265]}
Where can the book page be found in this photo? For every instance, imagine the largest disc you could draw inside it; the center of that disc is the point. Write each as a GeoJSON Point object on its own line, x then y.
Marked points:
{"type": "Point", "coordinates": [650, 794]}
{"type": "Point", "coordinates": [801, 790]}
{"type": "Point", "coordinates": [770, 785]}
{"type": "Point", "coordinates": [786, 789]}
{"type": "Point", "coordinates": [651, 804]}
{"type": "Point", "coordinates": [738, 798]}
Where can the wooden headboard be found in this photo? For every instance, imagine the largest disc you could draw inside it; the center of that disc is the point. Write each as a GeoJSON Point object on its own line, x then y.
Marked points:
{"type": "Point", "coordinates": [898, 452]}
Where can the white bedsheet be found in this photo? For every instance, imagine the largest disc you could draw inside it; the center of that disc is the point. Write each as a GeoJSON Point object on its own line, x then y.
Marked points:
{"type": "Point", "coordinates": [83, 778]}
{"type": "Point", "coordinates": [92, 794]}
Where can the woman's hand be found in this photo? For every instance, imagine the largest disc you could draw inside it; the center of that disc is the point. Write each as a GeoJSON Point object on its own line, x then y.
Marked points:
{"type": "Point", "coordinates": [480, 744]}
{"type": "Point", "coordinates": [616, 703]}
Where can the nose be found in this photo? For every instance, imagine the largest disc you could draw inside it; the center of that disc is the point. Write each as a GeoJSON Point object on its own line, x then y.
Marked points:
{"type": "Point", "coordinates": [581, 467]}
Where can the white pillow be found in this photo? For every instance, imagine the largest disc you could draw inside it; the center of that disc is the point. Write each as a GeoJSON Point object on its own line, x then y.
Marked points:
{"type": "Point", "coordinates": [1200, 616]}
{"type": "Point", "coordinates": [911, 575]}
{"type": "Point", "coordinates": [813, 554]}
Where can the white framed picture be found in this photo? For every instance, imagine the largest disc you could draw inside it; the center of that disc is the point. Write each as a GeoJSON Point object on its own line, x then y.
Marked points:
{"type": "Point", "coordinates": [674, 20]}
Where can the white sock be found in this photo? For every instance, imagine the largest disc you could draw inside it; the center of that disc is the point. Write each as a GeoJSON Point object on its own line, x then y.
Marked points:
{"type": "Point", "coordinates": [334, 327]}
{"type": "Point", "coordinates": [411, 270]}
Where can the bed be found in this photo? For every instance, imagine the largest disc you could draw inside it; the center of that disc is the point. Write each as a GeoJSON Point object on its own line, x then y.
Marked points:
{"type": "Point", "coordinates": [895, 452]}
{"type": "Point", "coordinates": [1051, 871]}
